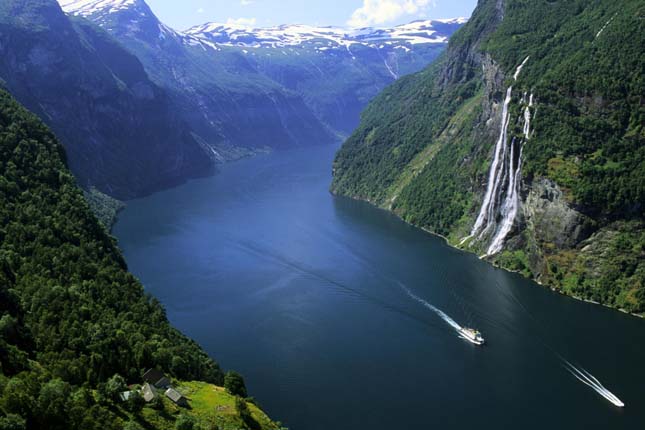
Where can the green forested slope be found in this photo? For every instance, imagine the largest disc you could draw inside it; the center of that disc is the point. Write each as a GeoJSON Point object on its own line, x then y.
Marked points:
{"type": "Point", "coordinates": [71, 316]}
{"type": "Point", "coordinates": [590, 87]}
{"type": "Point", "coordinates": [425, 145]}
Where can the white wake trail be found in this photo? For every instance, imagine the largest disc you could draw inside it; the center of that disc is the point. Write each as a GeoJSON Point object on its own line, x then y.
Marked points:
{"type": "Point", "coordinates": [434, 309]}
{"type": "Point", "coordinates": [588, 379]}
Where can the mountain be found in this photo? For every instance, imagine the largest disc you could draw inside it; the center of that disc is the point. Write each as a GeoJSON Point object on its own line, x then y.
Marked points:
{"type": "Point", "coordinates": [291, 81]}
{"type": "Point", "coordinates": [523, 143]}
{"type": "Point", "coordinates": [329, 38]}
{"type": "Point", "coordinates": [120, 130]}
{"type": "Point", "coordinates": [140, 106]}
{"type": "Point", "coordinates": [71, 316]}
{"type": "Point", "coordinates": [337, 71]}
{"type": "Point", "coordinates": [225, 101]}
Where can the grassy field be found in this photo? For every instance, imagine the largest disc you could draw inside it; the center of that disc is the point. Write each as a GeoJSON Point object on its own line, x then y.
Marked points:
{"type": "Point", "coordinates": [210, 406]}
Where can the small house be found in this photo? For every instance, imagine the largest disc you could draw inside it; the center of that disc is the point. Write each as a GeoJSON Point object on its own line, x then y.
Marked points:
{"type": "Point", "coordinates": [125, 395]}
{"type": "Point", "coordinates": [148, 392]}
{"type": "Point", "coordinates": [176, 397]}
{"type": "Point", "coordinates": [157, 378]}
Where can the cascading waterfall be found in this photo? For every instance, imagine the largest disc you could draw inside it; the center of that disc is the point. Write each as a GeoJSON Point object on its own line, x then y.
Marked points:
{"type": "Point", "coordinates": [509, 208]}
{"type": "Point", "coordinates": [519, 68]}
{"type": "Point", "coordinates": [500, 200]}
{"type": "Point", "coordinates": [493, 175]}
{"type": "Point", "coordinates": [527, 119]}
{"type": "Point", "coordinates": [511, 204]}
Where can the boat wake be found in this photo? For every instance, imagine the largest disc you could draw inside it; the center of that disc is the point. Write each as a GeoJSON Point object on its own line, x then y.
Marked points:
{"type": "Point", "coordinates": [579, 373]}
{"type": "Point", "coordinates": [434, 309]}
{"type": "Point", "coordinates": [272, 256]}
{"type": "Point", "coordinates": [588, 379]}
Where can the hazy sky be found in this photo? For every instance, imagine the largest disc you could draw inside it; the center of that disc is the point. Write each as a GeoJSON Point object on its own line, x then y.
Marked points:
{"type": "Point", "coordinates": [261, 13]}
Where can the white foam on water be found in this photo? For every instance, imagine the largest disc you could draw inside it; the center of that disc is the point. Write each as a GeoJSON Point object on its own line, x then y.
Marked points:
{"type": "Point", "coordinates": [434, 309]}
{"type": "Point", "coordinates": [588, 379]}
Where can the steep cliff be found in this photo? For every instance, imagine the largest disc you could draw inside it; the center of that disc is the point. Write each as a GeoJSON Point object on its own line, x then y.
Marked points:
{"type": "Point", "coordinates": [524, 143]}
{"type": "Point", "coordinates": [217, 92]}
{"type": "Point", "coordinates": [119, 128]}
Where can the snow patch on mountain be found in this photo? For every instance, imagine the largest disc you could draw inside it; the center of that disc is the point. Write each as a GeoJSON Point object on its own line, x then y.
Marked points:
{"type": "Point", "coordinates": [418, 32]}
{"type": "Point", "coordinates": [90, 7]}
{"type": "Point", "coordinates": [321, 39]}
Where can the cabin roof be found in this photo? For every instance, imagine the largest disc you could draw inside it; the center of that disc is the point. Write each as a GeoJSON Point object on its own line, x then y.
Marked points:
{"type": "Point", "coordinates": [157, 378]}
{"type": "Point", "coordinates": [174, 395]}
{"type": "Point", "coordinates": [148, 392]}
{"type": "Point", "coordinates": [125, 395]}
{"type": "Point", "coordinates": [153, 375]}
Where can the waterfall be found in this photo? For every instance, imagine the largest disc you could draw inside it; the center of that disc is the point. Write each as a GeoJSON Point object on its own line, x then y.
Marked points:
{"type": "Point", "coordinates": [511, 204]}
{"type": "Point", "coordinates": [519, 68]}
{"type": "Point", "coordinates": [527, 120]}
{"type": "Point", "coordinates": [605, 26]}
{"type": "Point", "coordinates": [509, 209]}
{"type": "Point", "coordinates": [493, 177]}
{"type": "Point", "coordinates": [502, 191]}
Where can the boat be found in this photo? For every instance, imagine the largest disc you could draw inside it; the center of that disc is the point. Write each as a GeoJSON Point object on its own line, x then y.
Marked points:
{"type": "Point", "coordinates": [472, 335]}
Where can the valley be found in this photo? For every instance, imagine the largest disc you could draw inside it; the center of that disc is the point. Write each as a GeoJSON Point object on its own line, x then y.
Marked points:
{"type": "Point", "coordinates": [141, 107]}
{"type": "Point", "coordinates": [339, 315]}
{"type": "Point", "coordinates": [407, 219]}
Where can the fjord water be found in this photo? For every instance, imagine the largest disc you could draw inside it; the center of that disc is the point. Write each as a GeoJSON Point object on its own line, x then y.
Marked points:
{"type": "Point", "coordinates": [305, 294]}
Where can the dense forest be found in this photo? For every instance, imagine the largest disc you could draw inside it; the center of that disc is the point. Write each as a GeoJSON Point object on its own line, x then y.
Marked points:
{"type": "Point", "coordinates": [425, 145]}
{"type": "Point", "coordinates": [75, 326]}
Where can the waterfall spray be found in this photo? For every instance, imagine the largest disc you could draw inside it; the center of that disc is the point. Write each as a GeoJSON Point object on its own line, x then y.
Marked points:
{"type": "Point", "coordinates": [505, 170]}
{"type": "Point", "coordinates": [493, 174]}
{"type": "Point", "coordinates": [509, 209]}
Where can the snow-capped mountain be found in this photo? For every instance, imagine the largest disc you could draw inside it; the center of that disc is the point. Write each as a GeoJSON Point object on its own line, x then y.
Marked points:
{"type": "Point", "coordinates": [225, 76]}
{"type": "Point", "coordinates": [121, 130]}
{"type": "Point", "coordinates": [88, 7]}
{"type": "Point", "coordinates": [132, 17]}
{"type": "Point", "coordinates": [403, 36]}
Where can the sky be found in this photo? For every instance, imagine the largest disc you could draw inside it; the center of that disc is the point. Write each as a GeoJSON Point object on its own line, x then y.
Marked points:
{"type": "Point", "coordinates": [264, 13]}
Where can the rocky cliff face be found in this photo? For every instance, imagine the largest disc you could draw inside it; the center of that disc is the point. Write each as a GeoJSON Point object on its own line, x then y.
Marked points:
{"type": "Point", "coordinates": [548, 214]}
{"type": "Point", "coordinates": [521, 145]}
{"type": "Point", "coordinates": [224, 100]}
{"type": "Point", "coordinates": [118, 127]}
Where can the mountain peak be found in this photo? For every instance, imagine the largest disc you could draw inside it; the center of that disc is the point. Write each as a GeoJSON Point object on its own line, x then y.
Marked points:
{"type": "Point", "coordinates": [104, 12]}
{"type": "Point", "coordinates": [90, 7]}
{"type": "Point", "coordinates": [126, 16]}
{"type": "Point", "coordinates": [417, 32]}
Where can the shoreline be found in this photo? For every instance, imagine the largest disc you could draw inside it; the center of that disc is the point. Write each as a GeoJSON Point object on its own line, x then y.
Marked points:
{"type": "Point", "coordinates": [492, 263]}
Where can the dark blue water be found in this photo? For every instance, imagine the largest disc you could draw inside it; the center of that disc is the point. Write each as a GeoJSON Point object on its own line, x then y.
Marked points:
{"type": "Point", "coordinates": [304, 294]}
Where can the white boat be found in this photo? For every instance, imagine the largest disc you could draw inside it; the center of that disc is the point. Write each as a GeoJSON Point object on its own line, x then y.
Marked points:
{"type": "Point", "coordinates": [472, 335]}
